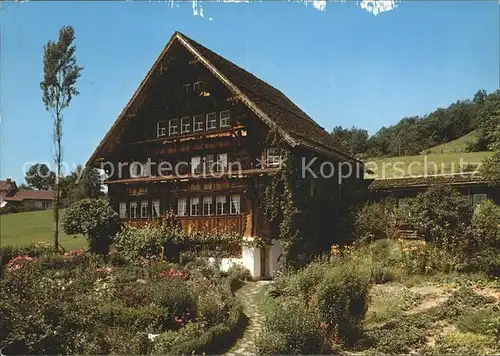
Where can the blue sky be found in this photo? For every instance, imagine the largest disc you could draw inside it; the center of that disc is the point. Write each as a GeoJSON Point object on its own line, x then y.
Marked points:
{"type": "Point", "coordinates": [343, 66]}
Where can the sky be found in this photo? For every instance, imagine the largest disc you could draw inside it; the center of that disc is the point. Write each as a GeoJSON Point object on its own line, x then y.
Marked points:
{"type": "Point", "coordinates": [340, 63]}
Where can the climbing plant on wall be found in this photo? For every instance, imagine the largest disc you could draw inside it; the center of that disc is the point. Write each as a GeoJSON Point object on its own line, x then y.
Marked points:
{"type": "Point", "coordinates": [307, 223]}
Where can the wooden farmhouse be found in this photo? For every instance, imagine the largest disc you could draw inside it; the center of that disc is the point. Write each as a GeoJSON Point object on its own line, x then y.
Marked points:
{"type": "Point", "coordinates": [204, 124]}
{"type": "Point", "coordinates": [470, 184]}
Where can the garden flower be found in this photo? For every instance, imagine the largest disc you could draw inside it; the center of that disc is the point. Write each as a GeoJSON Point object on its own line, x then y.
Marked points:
{"type": "Point", "coordinates": [105, 270]}
{"type": "Point", "coordinates": [173, 273]}
{"type": "Point", "coordinates": [18, 262]}
{"type": "Point", "coordinates": [73, 254]}
{"type": "Point", "coordinates": [179, 320]}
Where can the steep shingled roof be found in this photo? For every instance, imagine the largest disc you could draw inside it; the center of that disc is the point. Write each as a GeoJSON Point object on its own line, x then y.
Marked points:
{"type": "Point", "coordinates": [273, 102]}
{"type": "Point", "coordinates": [268, 103]}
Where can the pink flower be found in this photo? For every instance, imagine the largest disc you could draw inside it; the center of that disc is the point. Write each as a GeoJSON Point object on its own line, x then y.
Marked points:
{"type": "Point", "coordinates": [323, 325]}
{"type": "Point", "coordinates": [173, 273]}
{"type": "Point", "coordinates": [178, 320]}
{"type": "Point", "coordinates": [74, 254]}
{"type": "Point", "coordinates": [19, 262]}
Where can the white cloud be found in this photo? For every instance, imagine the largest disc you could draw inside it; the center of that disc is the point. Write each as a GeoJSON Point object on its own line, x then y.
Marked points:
{"type": "Point", "coordinates": [376, 7]}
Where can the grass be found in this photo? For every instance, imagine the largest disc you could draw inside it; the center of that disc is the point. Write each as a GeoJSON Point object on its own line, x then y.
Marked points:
{"type": "Point", "coordinates": [407, 166]}
{"type": "Point", "coordinates": [24, 228]}
{"type": "Point", "coordinates": [457, 145]}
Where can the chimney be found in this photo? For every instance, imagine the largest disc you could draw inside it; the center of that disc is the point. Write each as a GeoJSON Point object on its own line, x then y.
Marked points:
{"type": "Point", "coordinates": [9, 181]}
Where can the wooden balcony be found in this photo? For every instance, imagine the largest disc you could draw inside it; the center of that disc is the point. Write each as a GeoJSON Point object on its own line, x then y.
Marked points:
{"type": "Point", "coordinates": [216, 222]}
{"type": "Point", "coordinates": [235, 223]}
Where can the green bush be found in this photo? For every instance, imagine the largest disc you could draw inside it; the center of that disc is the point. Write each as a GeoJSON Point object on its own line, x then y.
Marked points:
{"type": "Point", "coordinates": [458, 343]}
{"type": "Point", "coordinates": [343, 299]}
{"type": "Point", "coordinates": [32, 250]}
{"type": "Point", "coordinates": [236, 275]}
{"type": "Point", "coordinates": [381, 273]}
{"type": "Point", "coordinates": [178, 299]}
{"type": "Point", "coordinates": [134, 243]}
{"type": "Point", "coordinates": [291, 328]}
{"type": "Point", "coordinates": [375, 221]}
{"type": "Point", "coordinates": [95, 219]}
{"type": "Point", "coordinates": [303, 283]}
{"type": "Point", "coordinates": [485, 321]}
{"type": "Point", "coordinates": [76, 304]}
{"type": "Point", "coordinates": [486, 220]}
{"type": "Point", "coordinates": [441, 215]}
{"type": "Point", "coordinates": [461, 302]}
{"type": "Point", "coordinates": [194, 338]}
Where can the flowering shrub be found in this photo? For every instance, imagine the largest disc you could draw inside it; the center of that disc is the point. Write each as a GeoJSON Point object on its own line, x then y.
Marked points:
{"type": "Point", "coordinates": [55, 305]}
{"type": "Point", "coordinates": [18, 262]}
{"type": "Point", "coordinates": [173, 273]}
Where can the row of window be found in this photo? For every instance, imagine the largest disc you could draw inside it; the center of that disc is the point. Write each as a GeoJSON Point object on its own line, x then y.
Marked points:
{"type": "Point", "coordinates": [206, 164]}
{"type": "Point", "coordinates": [209, 164]}
{"type": "Point", "coordinates": [193, 124]}
{"type": "Point", "coordinates": [404, 203]}
{"type": "Point", "coordinates": [140, 211]}
{"type": "Point", "coordinates": [205, 206]}
{"type": "Point", "coordinates": [197, 207]}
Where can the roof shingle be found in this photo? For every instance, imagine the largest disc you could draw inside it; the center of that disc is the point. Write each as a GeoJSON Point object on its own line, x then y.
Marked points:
{"type": "Point", "coordinates": [31, 195]}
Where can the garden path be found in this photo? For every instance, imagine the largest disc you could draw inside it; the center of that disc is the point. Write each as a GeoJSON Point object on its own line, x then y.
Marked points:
{"type": "Point", "coordinates": [249, 296]}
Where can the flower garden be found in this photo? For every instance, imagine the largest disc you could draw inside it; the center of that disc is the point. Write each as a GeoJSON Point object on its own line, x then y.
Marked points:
{"type": "Point", "coordinates": [81, 303]}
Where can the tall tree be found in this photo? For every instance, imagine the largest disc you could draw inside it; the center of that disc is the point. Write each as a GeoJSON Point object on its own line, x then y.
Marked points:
{"type": "Point", "coordinates": [81, 183]}
{"type": "Point", "coordinates": [40, 177]}
{"type": "Point", "coordinates": [60, 73]}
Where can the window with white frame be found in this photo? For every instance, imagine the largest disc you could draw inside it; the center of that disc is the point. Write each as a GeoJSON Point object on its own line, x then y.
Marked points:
{"type": "Point", "coordinates": [123, 210]}
{"type": "Point", "coordinates": [195, 206]}
{"type": "Point", "coordinates": [155, 208]}
{"type": "Point", "coordinates": [273, 157]}
{"type": "Point", "coordinates": [220, 205]}
{"type": "Point", "coordinates": [478, 198]}
{"type": "Point", "coordinates": [185, 125]}
{"type": "Point", "coordinates": [209, 163]}
{"type": "Point", "coordinates": [225, 119]}
{"type": "Point", "coordinates": [221, 162]}
{"type": "Point", "coordinates": [211, 121]}
{"type": "Point", "coordinates": [137, 169]}
{"type": "Point", "coordinates": [207, 205]}
{"type": "Point", "coordinates": [161, 128]}
{"type": "Point", "coordinates": [196, 166]}
{"type": "Point", "coordinates": [173, 127]}
{"type": "Point", "coordinates": [185, 87]}
{"type": "Point", "coordinates": [197, 86]}
{"type": "Point", "coordinates": [235, 204]}
{"type": "Point", "coordinates": [133, 209]}
{"type": "Point", "coordinates": [198, 123]}
{"type": "Point", "coordinates": [144, 209]}
{"type": "Point", "coordinates": [182, 206]}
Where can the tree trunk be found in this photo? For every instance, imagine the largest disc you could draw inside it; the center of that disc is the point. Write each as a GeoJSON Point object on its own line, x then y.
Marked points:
{"type": "Point", "coordinates": [58, 172]}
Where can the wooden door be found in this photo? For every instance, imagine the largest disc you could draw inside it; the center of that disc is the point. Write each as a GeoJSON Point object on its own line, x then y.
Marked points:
{"type": "Point", "coordinates": [264, 261]}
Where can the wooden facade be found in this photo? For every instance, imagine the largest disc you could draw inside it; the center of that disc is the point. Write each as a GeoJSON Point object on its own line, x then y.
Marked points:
{"type": "Point", "coordinates": [199, 126]}
{"type": "Point", "coordinates": [468, 183]}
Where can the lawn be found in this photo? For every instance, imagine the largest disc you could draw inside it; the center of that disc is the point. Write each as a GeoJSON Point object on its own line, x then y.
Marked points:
{"type": "Point", "coordinates": [408, 166]}
{"type": "Point", "coordinates": [457, 145]}
{"type": "Point", "coordinates": [24, 228]}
